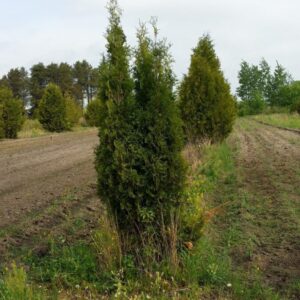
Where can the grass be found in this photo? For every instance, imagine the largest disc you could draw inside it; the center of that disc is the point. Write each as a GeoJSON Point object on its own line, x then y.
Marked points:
{"type": "Point", "coordinates": [282, 120]}
{"type": "Point", "coordinates": [33, 128]}
{"type": "Point", "coordinates": [15, 286]}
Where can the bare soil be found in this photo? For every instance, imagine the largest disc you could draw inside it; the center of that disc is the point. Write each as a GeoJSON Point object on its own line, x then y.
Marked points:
{"type": "Point", "coordinates": [35, 172]}
{"type": "Point", "coordinates": [269, 171]}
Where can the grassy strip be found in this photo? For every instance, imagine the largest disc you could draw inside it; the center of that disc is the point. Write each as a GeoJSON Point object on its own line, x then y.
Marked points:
{"type": "Point", "coordinates": [33, 128]}
{"type": "Point", "coordinates": [282, 120]}
{"type": "Point", "coordinates": [213, 264]}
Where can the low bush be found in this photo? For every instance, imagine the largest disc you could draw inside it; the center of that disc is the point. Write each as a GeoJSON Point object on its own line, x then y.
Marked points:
{"type": "Point", "coordinates": [31, 128]}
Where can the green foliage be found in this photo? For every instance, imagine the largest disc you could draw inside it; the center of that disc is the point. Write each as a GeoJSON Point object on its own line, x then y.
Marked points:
{"type": "Point", "coordinates": [73, 112]}
{"type": "Point", "coordinates": [139, 164]}
{"type": "Point", "coordinates": [52, 109]}
{"type": "Point", "coordinates": [259, 87]}
{"type": "Point", "coordinates": [13, 118]}
{"type": "Point", "coordinates": [31, 128]}
{"type": "Point", "coordinates": [191, 211]}
{"type": "Point", "coordinates": [37, 85]}
{"type": "Point", "coordinates": [295, 107]}
{"type": "Point", "coordinates": [15, 286]}
{"type": "Point", "coordinates": [207, 107]}
{"type": "Point", "coordinates": [5, 94]}
{"type": "Point", "coordinates": [289, 94]}
{"type": "Point", "coordinates": [11, 113]}
{"type": "Point", "coordinates": [78, 81]}
{"type": "Point", "coordinates": [254, 80]}
{"type": "Point", "coordinates": [93, 113]}
{"type": "Point", "coordinates": [86, 80]}
{"type": "Point", "coordinates": [18, 81]}
{"type": "Point", "coordinates": [279, 80]}
{"type": "Point", "coordinates": [65, 265]}
{"type": "Point", "coordinates": [2, 132]}
{"type": "Point", "coordinates": [255, 105]}
{"type": "Point", "coordinates": [158, 162]}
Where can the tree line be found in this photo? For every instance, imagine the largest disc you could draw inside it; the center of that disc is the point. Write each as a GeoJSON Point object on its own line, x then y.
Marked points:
{"type": "Point", "coordinates": [53, 94]}
{"type": "Point", "coordinates": [259, 88]}
{"type": "Point", "coordinates": [79, 81]}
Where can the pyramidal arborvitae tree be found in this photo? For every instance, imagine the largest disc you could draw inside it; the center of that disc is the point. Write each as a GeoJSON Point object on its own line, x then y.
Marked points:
{"type": "Point", "coordinates": [113, 155]}
{"type": "Point", "coordinates": [138, 161]}
{"type": "Point", "coordinates": [52, 109]}
{"type": "Point", "coordinates": [207, 107]}
{"type": "Point", "coordinates": [161, 170]}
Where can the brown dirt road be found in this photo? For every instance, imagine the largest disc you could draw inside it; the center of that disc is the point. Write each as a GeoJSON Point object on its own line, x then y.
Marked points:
{"type": "Point", "coordinates": [35, 172]}
{"type": "Point", "coordinates": [268, 161]}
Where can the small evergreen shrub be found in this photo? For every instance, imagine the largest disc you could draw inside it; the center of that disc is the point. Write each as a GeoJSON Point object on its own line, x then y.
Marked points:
{"type": "Point", "coordinates": [11, 114]}
{"type": "Point", "coordinates": [73, 112]}
{"type": "Point", "coordinates": [13, 118]}
{"type": "Point", "coordinates": [93, 113]}
{"type": "Point", "coordinates": [52, 109]}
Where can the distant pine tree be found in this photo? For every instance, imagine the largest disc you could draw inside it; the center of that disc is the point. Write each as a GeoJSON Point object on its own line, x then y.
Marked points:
{"type": "Point", "coordinates": [207, 107]}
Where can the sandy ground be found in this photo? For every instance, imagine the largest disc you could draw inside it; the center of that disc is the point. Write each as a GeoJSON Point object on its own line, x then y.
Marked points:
{"type": "Point", "coordinates": [35, 172]}
{"type": "Point", "coordinates": [269, 171]}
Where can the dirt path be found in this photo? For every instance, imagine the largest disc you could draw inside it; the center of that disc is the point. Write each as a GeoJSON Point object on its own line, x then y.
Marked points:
{"type": "Point", "coordinates": [269, 173]}
{"type": "Point", "coordinates": [35, 172]}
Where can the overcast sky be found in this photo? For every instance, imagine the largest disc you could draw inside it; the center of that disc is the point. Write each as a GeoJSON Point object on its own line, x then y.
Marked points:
{"type": "Point", "coordinates": [46, 31]}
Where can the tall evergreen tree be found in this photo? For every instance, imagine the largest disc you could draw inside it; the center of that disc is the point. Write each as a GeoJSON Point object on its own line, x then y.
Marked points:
{"type": "Point", "coordinates": [207, 107]}
{"type": "Point", "coordinates": [140, 169]}
{"type": "Point", "coordinates": [158, 163]}
{"type": "Point", "coordinates": [115, 130]}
